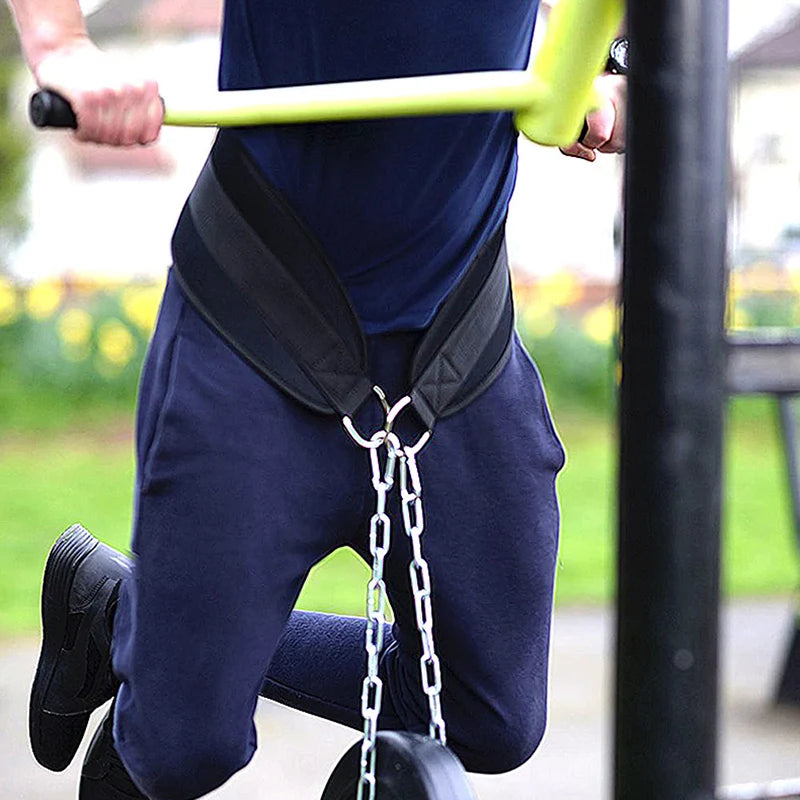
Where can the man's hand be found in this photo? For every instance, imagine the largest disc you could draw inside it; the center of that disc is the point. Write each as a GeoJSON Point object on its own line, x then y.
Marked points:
{"type": "Point", "coordinates": [112, 105]}
{"type": "Point", "coordinates": [605, 126]}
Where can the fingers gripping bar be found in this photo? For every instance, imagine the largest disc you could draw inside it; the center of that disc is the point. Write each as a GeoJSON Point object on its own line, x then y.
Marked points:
{"type": "Point", "coordinates": [549, 101]}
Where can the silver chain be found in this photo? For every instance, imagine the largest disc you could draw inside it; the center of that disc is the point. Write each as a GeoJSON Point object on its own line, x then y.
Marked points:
{"type": "Point", "coordinates": [414, 523]}
{"type": "Point", "coordinates": [383, 479]}
{"type": "Point", "coordinates": [380, 528]}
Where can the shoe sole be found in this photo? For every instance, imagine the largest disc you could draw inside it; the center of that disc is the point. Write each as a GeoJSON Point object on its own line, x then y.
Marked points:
{"type": "Point", "coordinates": [63, 562]}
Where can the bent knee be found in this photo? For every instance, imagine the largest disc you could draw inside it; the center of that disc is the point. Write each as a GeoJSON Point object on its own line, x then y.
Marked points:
{"type": "Point", "coordinates": [188, 771]}
{"type": "Point", "coordinates": [497, 748]}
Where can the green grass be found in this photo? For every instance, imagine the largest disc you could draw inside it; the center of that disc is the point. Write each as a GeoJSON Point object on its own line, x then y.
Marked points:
{"type": "Point", "coordinates": [759, 552]}
{"type": "Point", "coordinates": [47, 483]}
{"type": "Point", "coordinates": [586, 494]}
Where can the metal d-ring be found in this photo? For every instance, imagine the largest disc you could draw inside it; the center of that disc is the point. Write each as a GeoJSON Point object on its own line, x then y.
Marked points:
{"type": "Point", "coordinates": [391, 416]}
{"type": "Point", "coordinates": [375, 440]}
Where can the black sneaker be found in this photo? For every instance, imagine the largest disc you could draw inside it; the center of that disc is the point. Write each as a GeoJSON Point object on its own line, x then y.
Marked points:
{"type": "Point", "coordinates": [73, 677]}
{"type": "Point", "coordinates": [104, 776]}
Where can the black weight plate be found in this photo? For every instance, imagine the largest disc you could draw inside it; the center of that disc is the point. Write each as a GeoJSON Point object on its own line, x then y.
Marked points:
{"type": "Point", "coordinates": [409, 767]}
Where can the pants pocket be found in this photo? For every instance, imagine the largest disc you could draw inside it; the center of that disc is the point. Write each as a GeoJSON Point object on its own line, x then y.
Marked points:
{"type": "Point", "coordinates": [543, 407]}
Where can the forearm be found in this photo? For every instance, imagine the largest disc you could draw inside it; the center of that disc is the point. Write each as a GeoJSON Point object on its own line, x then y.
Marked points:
{"type": "Point", "coordinates": [46, 26]}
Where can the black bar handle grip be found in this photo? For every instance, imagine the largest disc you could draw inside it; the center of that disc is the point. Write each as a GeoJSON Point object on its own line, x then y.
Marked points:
{"type": "Point", "coordinates": [48, 109]}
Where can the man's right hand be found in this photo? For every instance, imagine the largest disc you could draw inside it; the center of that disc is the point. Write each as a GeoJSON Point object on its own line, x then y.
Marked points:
{"type": "Point", "coordinates": [112, 104]}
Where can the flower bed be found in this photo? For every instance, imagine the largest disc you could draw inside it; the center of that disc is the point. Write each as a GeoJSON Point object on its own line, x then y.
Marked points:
{"type": "Point", "coordinates": [71, 351]}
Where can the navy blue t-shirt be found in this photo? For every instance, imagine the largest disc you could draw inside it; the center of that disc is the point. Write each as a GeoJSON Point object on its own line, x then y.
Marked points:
{"type": "Point", "coordinates": [400, 205]}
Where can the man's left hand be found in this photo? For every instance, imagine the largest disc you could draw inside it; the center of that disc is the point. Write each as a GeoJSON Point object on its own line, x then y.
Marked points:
{"type": "Point", "coordinates": [606, 126]}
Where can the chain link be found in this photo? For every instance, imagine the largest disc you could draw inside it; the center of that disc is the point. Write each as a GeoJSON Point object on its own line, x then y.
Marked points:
{"type": "Point", "coordinates": [385, 442]}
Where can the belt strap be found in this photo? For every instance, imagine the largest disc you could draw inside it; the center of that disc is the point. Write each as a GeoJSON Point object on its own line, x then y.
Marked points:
{"type": "Point", "coordinates": [250, 266]}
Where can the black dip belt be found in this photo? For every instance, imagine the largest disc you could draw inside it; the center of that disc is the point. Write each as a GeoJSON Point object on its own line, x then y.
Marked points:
{"type": "Point", "coordinates": [250, 266]}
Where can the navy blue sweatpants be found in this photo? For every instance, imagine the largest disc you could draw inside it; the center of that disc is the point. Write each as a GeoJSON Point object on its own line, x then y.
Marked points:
{"type": "Point", "coordinates": [240, 490]}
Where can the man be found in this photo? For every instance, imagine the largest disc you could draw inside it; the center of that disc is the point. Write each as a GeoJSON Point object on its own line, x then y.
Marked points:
{"type": "Point", "coordinates": [241, 488]}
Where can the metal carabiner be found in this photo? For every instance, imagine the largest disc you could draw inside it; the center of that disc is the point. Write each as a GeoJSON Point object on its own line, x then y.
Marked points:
{"type": "Point", "coordinates": [374, 441]}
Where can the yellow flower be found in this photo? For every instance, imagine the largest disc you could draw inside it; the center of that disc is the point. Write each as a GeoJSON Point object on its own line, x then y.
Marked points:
{"type": "Point", "coordinates": [560, 289]}
{"type": "Point", "coordinates": [115, 343]}
{"type": "Point", "coordinates": [600, 323]}
{"type": "Point", "coordinates": [43, 299]}
{"type": "Point", "coordinates": [9, 305]}
{"type": "Point", "coordinates": [75, 327]}
{"type": "Point", "coordinates": [539, 318]}
{"type": "Point", "coordinates": [140, 304]}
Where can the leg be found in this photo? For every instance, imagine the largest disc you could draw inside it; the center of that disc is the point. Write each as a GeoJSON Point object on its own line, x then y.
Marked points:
{"type": "Point", "coordinates": [239, 491]}
{"type": "Point", "coordinates": [491, 541]}
{"type": "Point", "coordinates": [229, 517]}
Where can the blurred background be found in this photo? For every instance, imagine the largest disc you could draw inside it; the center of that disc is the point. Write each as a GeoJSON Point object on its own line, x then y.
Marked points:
{"type": "Point", "coordinates": [79, 293]}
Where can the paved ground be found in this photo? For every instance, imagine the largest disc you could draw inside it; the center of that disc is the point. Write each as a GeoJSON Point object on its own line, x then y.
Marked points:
{"type": "Point", "coordinates": [297, 751]}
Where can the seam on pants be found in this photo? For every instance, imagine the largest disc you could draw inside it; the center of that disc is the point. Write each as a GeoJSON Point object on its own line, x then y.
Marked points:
{"type": "Point", "coordinates": [169, 391]}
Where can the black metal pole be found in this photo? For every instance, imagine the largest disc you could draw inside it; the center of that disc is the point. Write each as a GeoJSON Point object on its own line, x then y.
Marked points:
{"type": "Point", "coordinates": [788, 432]}
{"type": "Point", "coordinates": [788, 689]}
{"type": "Point", "coordinates": [671, 404]}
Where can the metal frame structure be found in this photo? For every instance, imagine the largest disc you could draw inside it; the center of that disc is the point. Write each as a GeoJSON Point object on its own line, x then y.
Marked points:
{"type": "Point", "coordinates": [768, 363]}
{"type": "Point", "coordinates": [672, 398]}
{"type": "Point", "coordinates": [671, 402]}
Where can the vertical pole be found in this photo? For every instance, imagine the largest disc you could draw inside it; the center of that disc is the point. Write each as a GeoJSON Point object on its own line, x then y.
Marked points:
{"type": "Point", "coordinates": [788, 432]}
{"type": "Point", "coordinates": [671, 404]}
{"type": "Point", "coordinates": [788, 690]}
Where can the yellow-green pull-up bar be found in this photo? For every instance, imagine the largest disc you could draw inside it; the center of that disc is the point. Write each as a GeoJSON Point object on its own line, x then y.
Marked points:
{"type": "Point", "coordinates": [550, 100]}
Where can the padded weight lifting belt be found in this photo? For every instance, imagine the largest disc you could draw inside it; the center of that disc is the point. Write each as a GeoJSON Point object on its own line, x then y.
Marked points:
{"type": "Point", "coordinates": [254, 271]}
